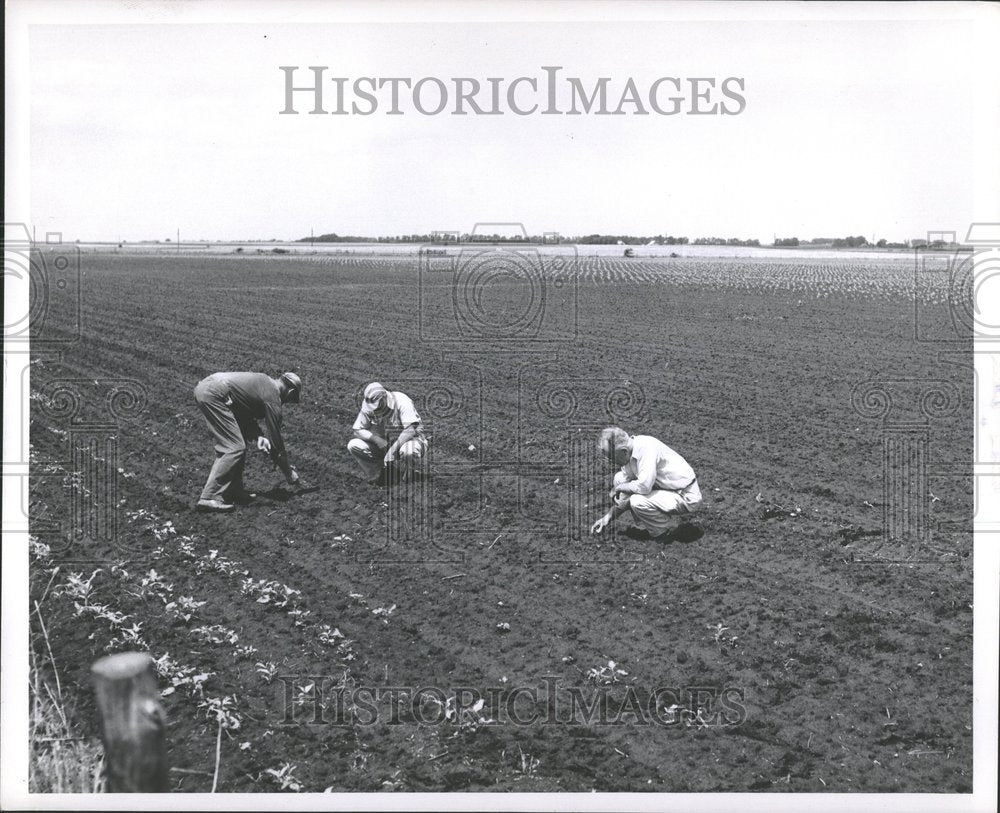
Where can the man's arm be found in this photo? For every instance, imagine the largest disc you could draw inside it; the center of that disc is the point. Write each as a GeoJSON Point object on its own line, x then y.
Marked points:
{"type": "Point", "coordinates": [409, 420]}
{"type": "Point", "coordinates": [370, 437]}
{"type": "Point", "coordinates": [362, 432]}
{"type": "Point", "coordinates": [620, 507]}
{"type": "Point", "coordinates": [409, 433]}
{"type": "Point", "coordinates": [272, 417]}
{"type": "Point", "coordinates": [646, 477]}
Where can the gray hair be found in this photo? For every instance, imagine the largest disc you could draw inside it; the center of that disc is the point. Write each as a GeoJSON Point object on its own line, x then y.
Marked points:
{"type": "Point", "coordinates": [611, 439]}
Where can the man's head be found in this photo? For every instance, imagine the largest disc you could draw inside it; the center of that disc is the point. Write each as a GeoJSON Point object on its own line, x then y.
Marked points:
{"type": "Point", "coordinates": [376, 399]}
{"type": "Point", "coordinates": [616, 444]}
{"type": "Point", "coordinates": [290, 386]}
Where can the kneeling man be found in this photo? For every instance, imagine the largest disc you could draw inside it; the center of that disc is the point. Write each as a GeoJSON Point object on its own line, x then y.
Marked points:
{"type": "Point", "coordinates": [387, 430]}
{"type": "Point", "coordinates": [654, 483]}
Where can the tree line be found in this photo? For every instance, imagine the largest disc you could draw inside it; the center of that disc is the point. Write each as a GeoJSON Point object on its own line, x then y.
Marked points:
{"type": "Point", "coordinates": [586, 239]}
{"type": "Point", "coordinates": [855, 241]}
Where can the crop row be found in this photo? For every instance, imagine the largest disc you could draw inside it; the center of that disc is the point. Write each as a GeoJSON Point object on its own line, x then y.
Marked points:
{"type": "Point", "coordinates": [124, 609]}
{"type": "Point", "coordinates": [871, 279]}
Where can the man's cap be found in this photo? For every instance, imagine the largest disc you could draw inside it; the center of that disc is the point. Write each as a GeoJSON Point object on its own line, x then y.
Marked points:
{"type": "Point", "coordinates": [294, 384]}
{"type": "Point", "coordinates": [375, 393]}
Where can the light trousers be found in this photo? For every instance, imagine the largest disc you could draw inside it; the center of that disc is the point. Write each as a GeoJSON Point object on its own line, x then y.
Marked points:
{"type": "Point", "coordinates": [653, 511]}
{"type": "Point", "coordinates": [369, 457]}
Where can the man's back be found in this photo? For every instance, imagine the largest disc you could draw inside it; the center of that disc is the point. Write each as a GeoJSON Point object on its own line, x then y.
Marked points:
{"type": "Point", "coordinates": [651, 456]}
{"type": "Point", "coordinates": [251, 396]}
{"type": "Point", "coordinates": [255, 393]}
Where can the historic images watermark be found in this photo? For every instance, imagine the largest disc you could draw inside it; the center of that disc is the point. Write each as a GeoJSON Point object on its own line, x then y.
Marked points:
{"type": "Point", "coordinates": [950, 284]}
{"type": "Point", "coordinates": [970, 274]}
{"type": "Point", "coordinates": [85, 417]}
{"type": "Point", "coordinates": [500, 290]}
{"type": "Point", "coordinates": [907, 410]}
{"type": "Point", "coordinates": [50, 274]}
{"type": "Point", "coordinates": [70, 500]}
{"type": "Point", "coordinates": [314, 91]}
{"type": "Point", "coordinates": [328, 700]}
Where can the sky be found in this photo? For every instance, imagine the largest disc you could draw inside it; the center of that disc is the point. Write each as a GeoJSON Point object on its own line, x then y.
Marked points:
{"type": "Point", "coordinates": [850, 126]}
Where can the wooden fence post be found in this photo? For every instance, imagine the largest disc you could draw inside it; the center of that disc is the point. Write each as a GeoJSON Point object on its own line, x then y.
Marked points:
{"type": "Point", "coordinates": [132, 722]}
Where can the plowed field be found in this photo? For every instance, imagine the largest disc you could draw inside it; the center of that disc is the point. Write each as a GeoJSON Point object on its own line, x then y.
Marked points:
{"type": "Point", "coordinates": [813, 634]}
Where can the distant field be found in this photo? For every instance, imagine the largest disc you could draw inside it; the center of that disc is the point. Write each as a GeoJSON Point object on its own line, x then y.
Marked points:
{"type": "Point", "coordinates": [257, 248]}
{"type": "Point", "coordinates": [847, 657]}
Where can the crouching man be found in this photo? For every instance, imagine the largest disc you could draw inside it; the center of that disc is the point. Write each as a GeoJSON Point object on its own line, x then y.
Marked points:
{"type": "Point", "coordinates": [654, 483]}
{"type": "Point", "coordinates": [387, 432]}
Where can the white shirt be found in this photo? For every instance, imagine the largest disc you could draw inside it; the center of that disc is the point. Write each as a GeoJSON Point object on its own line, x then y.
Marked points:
{"type": "Point", "coordinates": [401, 414]}
{"type": "Point", "coordinates": [655, 465]}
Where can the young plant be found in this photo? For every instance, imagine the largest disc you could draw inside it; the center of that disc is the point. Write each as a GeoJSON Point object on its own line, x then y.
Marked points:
{"type": "Point", "coordinates": [304, 695]}
{"type": "Point", "coordinates": [718, 633]}
{"type": "Point", "coordinates": [285, 778]}
{"type": "Point", "coordinates": [300, 617]}
{"type": "Point", "coordinates": [331, 636]}
{"type": "Point", "coordinates": [223, 711]}
{"type": "Point", "coordinates": [164, 532]}
{"type": "Point", "coordinates": [606, 675]}
{"type": "Point", "coordinates": [184, 608]}
{"type": "Point", "coordinates": [79, 588]}
{"type": "Point", "coordinates": [528, 764]}
{"type": "Point", "coordinates": [127, 638]}
{"type": "Point", "coordinates": [38, 549]}
{"type": "Point", "coordinates": [469, 719]}
{"type": "Point", "coordinates": [383, 613]}
{"type": "Point", "coordinates": [152, 585]}
{"type": "Point", "coordinates": [216, 634]}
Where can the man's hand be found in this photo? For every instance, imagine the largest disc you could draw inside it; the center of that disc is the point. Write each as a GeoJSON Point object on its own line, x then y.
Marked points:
{"type": "Point", "coordinates": [263, 444]}
{"type": "Point", "coordinates": [390, 456]}
{"type": "Point", "coordinates": [601, 524]}
{"type": "Point", "coordinates": [373, 438]}
{"type": "Point", "coordinates": [301, 486]}
{"type": "Point", "coordinates": [621, 491]}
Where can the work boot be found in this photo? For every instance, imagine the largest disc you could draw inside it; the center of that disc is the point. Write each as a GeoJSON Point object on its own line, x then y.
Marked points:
{"type": "Point", "coordinates": [215, 505]}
